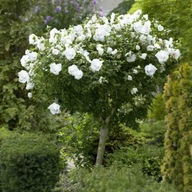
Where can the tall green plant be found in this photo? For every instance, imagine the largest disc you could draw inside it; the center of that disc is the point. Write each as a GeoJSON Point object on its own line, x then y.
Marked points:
{"type": "Point", "coordinates": [178, 138]}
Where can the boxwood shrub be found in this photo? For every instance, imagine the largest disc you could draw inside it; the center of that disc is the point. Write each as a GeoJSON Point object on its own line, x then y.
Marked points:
{"type": "Point", "coordinates": [4, 133]}
{"type": "Point", "coordinates": [28, 163]}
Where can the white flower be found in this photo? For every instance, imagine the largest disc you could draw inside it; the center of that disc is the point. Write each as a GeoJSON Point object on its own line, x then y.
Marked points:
{"type": "Point", "coordinates": [135, 71]}
{"type": "Point", "coordinates": [54, 108]}
{"type": "Point", "coordinates": [132, 57]}
{"type": "Point", "coordinates": [74, 71]}
{"type": "Point", "coordinates": [136, 14]}
{"type": "Point", "coordinates": [28, 58]}
{"type": "Point", "coordinates": [100, 49]}
{"type": "Point", "coordinates": [134, 90]}
{"type": "Point", "coordinates": [78, 30]}
{"type": "Point", "coordinates": [137, 47]}
{"type": "Point", "coordinates": [137, 26]}
{"type": "Point", "coordinates": [150, 48]}
{"type": "Point", "coordinates": [55, 68]}
{"type": "Point", "coordinates": [81, 37]}
{"type": "Point", "coordinates": [33, 39]}
{"type": "Point", "coordinates": [94, 18]}
{"type": "Point", "coordinates": [145, 16]}
{"type": "Point", "coordinates": [30, 85]}
{"type": "Point", "coordinates": [101, 32]}
{"type": "Point", "coordinates": [102, 80]}
{"type": "Point", "coordinates": [24, 60]}
{"type": "Point", "coordinates": [175, 53]}
{"type": "Point", "coordinates": [129, 78]}
{"type": "Point", "coordinates": [143, 56]}
{"type": "Point", "coordinates": [23, 76]}
{"type": "Point", "coordinates": [114, 52]}
{"type": "Point", "coordinates": [157, 46]}
{"type": "Point", "coordinates": [109, 50]}
{"type": "Point", "coordinates": [78, 75]}
{"type": "Point", "coordinates": [146, 28]}
{"type": "Point", "coordinates": [140, 28]}
{"type": "Point", "coordinates": [112, 18]}
{"type": "Point", "coordinates": [55, 51]}
{"type": "Point", "coordinates": [150, 70]}
{"type": "Point", "coordinates": [168, 43]}
{"type": "Point", "coordinates": [53, 37]}
{"type": "Point", "coordinates": [142, 38]}
{"type": "Point", "coordinates": [29, 95]}
{"type": "Point", "coordinates": [40, 46]}
{"type": "Point", "coordinates": [70, 53]}
{"type": "Point", "coordinates": [162, 56]}
{"type": "Point", "coordinates": [32, 56]}
{"type": "Point", "coordinates": [84, 53]}
{"type": "Point", "coordinates": [96, 65]}
{"type": "Point", "coordinates": [160, 28]}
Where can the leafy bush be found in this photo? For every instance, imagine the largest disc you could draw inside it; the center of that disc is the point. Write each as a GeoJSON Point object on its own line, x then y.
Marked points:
{"type": "Point", "coordinates": [115, 179]}
{"type": "Point", "coordinates": [153, 132]}
{"type": "Point", "coordinates": [157, 110]}
{"type": "Point", "coordinates": [79, 139]}
{"type": "Point", "coordinates": [4, 133]}
{"type": "Point", "coordinates": [28, 162]}
{"type": "Point", "coordinates": [144, 149]}
{"type": "Point", "coordinates": [147, 158]}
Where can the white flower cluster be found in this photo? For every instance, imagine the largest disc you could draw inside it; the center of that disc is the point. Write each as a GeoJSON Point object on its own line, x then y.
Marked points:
{"type": "Point", "coordinates": [84, 48]}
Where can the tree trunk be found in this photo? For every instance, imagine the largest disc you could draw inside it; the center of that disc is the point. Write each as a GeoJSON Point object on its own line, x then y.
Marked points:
{"type": "Point", "coordinates": [101, 148]}
{"type": "Point", "coordinates": [104, 131]}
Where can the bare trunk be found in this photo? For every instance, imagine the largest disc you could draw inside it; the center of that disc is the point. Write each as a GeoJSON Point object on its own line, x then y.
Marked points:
{"type": "Point", "coordinates": [101, 148]}
{"type": "Point", "coordinates": [104, 131]}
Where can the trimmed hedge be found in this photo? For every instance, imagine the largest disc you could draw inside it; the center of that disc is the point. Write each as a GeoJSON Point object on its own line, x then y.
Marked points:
{"type": "Point", "coordinates": [28, 163]}
{"type": "Point", "coordinates": [4, 133]}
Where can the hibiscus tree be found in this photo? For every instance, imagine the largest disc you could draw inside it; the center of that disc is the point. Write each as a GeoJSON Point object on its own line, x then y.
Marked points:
{"type": "Point", "coordinates": [108, 67]}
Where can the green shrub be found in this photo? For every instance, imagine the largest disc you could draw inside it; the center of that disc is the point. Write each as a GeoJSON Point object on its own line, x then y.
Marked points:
{"type": "Point", "coordinates": [157, 110]}
{"type": "Point", "coordinates": [143, 148]}
{"type": "Point", "coordinates": [115, 179]}
{"type": "Point", "coordinates": [153, 132]}
{"type": "Point", "coordinates": [147, 158]}
{"type": "Point", "coordinates": [28, 163]}
{"type": "Point", "coordinates": [4, 133]}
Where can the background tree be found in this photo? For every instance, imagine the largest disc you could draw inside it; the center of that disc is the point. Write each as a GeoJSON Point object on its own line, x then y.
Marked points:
{"type": "Point", "coordinates": [12, 43]}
